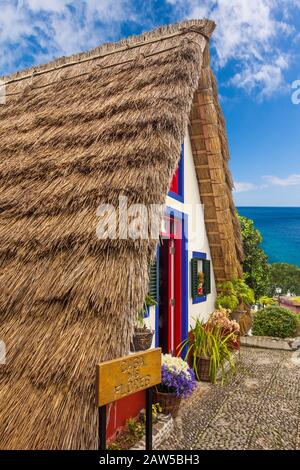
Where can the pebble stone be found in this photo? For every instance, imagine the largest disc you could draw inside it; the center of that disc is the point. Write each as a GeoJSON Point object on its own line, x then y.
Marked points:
{"type": "Point", "coordinates": [257, 408]}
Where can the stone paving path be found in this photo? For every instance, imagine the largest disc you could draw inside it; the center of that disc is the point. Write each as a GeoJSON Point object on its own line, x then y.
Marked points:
{"type": "Point", "coordinates": [257, 408]}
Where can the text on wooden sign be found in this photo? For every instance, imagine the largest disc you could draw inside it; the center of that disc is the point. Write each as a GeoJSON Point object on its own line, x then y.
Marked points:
{"type": "Point", "coordinates": [122, 377]}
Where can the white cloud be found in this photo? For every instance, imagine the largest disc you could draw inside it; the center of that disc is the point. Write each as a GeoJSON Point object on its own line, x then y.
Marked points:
{"type": "Point", "coordinates": [268, 78]}
{"type": "Point", "coordinates": [59, 27]}
{"type": "Point", "coordinates": [249, 33]}
{"type": "Point", "coordinates": [291, 180]}
{"type": "Point", "coordinates": [241, 187]}
{"type": "Point", "coordinates": [44, 5]}
{"type": "Point", "coordinates": [13, 24]}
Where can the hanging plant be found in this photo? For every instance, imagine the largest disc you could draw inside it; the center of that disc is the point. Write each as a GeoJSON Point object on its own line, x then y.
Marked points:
{"type": "Point", "coordinates": [142, 338]}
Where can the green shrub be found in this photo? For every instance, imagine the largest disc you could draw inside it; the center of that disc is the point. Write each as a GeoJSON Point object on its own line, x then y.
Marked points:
{"type": "Point", "coordinates": [274, 321]}
{"type": "Point", "coordinates": [233, 294]}
{"type": "Point", "coordinates": [266, 301]}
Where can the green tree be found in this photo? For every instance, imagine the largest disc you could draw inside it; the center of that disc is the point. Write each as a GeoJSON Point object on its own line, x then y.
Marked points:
{"type": "Point", "coordinates": [284, 276]}
{"type": "Point", "coordinates": [255, 264]}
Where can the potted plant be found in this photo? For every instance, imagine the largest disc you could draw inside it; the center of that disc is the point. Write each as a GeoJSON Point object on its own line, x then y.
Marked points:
{"type": "Point", "coordinates": [227, 296]}
{"type": "Point", "coordinates": [207, 351]}
{"type": "Point", "coordinates": [178, 382]}
{"type": "Point", "coordinates": [220, 322]}
{"type": "Point", "coordinates": [142, 337]}
{"type": "Point", "coordinates": [245, 297]}
{"type": "Point", "coordinates": [235, 296]}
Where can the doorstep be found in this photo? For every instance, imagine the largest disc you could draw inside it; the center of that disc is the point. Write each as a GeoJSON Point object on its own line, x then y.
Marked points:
{"type": "Point", "coordinates": [270, 342]}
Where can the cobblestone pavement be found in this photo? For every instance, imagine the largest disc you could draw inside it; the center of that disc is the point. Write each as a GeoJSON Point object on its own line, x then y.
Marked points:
{"type": "Point", "coordinates": [257, 408]}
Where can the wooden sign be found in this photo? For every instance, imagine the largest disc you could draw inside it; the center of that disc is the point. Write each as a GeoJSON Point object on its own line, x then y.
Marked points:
{"type": "Point", "coordinates": [130, 374]}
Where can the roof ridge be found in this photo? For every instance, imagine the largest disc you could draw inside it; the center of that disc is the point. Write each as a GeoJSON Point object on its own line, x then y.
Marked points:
{"type": "Point", "coordinates": [204, 27]}
{"type": "Point", "coordinates": [26, 77]}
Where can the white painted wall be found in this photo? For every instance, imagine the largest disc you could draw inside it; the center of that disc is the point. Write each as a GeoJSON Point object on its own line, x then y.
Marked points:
{"type": "Point", "coordinates": [197, 237]}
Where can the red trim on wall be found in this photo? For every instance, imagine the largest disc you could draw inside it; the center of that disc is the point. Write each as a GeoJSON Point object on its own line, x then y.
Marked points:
{"type": "Point", "coordinates": [174, 188]}
{"type": "Point", "coordinates": [178, 293]}
{"type": "Point", "coordinates": [119, 411]}
{"type": "Point", "coordinates": [177, 236]}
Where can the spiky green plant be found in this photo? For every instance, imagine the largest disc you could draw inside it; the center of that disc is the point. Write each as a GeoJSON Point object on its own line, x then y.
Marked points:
{"type": "Point", "coordinates": [209, 345]}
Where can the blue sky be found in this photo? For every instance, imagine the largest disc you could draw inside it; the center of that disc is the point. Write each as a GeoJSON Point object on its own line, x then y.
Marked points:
{"type": "Point", "coordinates": [255, 55]}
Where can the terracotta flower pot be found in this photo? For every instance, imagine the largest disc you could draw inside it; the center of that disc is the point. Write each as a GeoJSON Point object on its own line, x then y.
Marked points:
{"type": "Point", "coordinates": [202, 373]}
{"type": "Point", "coordinates": [169, 402]}
{"type": "Point", "coordinates": [142, 340]}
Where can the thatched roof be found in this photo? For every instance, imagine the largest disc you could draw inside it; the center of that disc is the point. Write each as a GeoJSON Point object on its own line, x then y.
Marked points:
{"type": "Point", "coordinates": [74, 133]}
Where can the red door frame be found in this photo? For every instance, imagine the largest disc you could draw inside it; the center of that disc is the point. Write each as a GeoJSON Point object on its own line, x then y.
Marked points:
{"type": "Point", "coordinates": [174, 233]}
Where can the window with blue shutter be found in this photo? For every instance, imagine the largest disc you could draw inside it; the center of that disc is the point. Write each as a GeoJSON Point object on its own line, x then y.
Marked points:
{"type": "Point", "coordinates": [200, 277]}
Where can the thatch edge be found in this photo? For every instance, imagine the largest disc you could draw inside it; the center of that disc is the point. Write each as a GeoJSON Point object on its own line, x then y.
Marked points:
{"type": "Point", "coordinates": [211, 156]}
{"type": "Point", "coordinates": [204, 27]}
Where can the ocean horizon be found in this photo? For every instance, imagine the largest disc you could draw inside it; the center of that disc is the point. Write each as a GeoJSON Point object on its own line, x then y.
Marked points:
{"type": "Point", "coordinates": [280, 229]}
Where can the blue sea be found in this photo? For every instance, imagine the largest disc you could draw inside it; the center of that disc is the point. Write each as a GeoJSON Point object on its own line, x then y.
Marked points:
{"type": "Point", "coordinates": [280, 228]}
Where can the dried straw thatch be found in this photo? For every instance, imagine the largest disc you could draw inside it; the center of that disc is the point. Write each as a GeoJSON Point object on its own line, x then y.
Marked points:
{"type": "Point", "coordinates": [75, 133]}
{"type": "Point", "coordinates": [211, 155]}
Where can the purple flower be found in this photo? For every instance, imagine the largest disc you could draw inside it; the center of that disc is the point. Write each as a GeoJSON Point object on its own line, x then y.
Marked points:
{"type": "Point", "coordinates": [182, 383]}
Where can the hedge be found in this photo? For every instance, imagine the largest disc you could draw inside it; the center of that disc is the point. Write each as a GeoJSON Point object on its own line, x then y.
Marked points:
{"type": "Point", "coordinates": [274, 321]}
